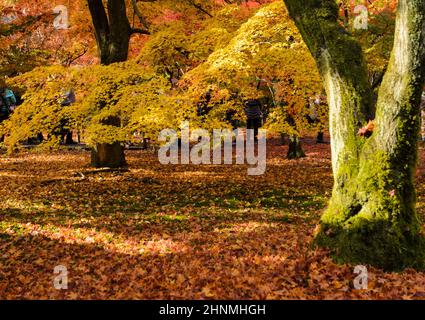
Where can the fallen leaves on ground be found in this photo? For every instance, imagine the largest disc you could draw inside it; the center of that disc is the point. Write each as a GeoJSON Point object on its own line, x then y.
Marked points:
{"type": "Point", "coordinates": [177, 232]}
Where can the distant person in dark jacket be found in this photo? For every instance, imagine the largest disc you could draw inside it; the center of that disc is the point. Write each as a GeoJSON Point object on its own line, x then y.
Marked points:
{"type": "Point", "coordinates": [64, 132]}
{"type": "Point", "coordinates": [4, 109]}
{"type": "Point", "coordinates": [254, 116]}
{"type": "Point", "coordinates": [7, 105]}
{"type": "Point", "coordinates": [9, 98]}
{"type": "Point", "coordinates": [4, 113]}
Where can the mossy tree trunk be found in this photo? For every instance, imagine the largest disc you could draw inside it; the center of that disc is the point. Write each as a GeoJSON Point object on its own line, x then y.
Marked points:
{"type": "Point", "coordinates": [113, 32]}
{"type": "Point", "coordinates": [371, 216]}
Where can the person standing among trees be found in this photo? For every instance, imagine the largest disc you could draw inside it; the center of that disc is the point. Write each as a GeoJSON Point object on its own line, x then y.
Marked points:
{"type": "Point", "coordinates": [9, 99]}
{"type": "Point", "coordinates": [64, 132]}
{"type": "Point", "coordinates": [254, 116]}
{"type": "Point", "coordinates": [4, 113]}
{"type": "Point", "coordinates": [7, 105]}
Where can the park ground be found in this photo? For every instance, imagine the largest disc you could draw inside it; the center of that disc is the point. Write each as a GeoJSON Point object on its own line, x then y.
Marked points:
{"type": "Point", "coordinates": [177, 232]}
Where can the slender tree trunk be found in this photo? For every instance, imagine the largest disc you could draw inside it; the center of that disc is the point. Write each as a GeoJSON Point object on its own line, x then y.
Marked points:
{"type": "Point", "coordinates": [320, 137]}
{"type": "Point", "coordinates": [295, 150]}
{"type": "Point", "coordinates": [283, 138]}
{"type": "Point", "coordinates": [371, 216]}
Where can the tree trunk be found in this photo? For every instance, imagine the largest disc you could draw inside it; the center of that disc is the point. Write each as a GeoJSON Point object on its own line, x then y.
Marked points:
{"type": "Point", "coordinates": [113, 33]}
{"type": "Point", "coordinates": [283, 139]}
{"type": "Point", "coordinates": [371, 216]}
{"type": "Point", "coordinates": [108, 155]}
{"type": "Point", "coordinates": [295, 150]}
{"type": "Point", "coordinates": [120, 32]}
{"type": "Point", "coordinates": [112, 30]}
{"type": "Point", "coordinates": [320, 137]}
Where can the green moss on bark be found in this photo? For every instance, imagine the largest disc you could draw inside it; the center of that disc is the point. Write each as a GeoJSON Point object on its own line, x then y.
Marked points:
{"type": "Point", "coordinates": [376, 242]}
{"type": "Point", "coordinates": [371, 216]}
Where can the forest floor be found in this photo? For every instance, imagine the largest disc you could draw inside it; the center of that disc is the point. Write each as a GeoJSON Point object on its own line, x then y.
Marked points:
{"type": "Point", "coordinates": [177, 232]}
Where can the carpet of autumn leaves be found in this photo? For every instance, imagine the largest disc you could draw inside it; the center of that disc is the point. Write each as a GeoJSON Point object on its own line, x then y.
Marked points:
{"type": "Point", "coordinates": [177, 232]}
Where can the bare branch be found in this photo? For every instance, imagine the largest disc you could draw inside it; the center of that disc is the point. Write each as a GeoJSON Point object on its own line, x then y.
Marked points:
{"type": "Point", "coordinates": [138, 13]}
{"type": "Point", "coordinates": [139, 31]}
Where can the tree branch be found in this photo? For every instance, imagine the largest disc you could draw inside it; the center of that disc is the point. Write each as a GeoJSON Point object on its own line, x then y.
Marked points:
{"type": "Point", "coordinates": [139, 31]}
{"type": "Point", "coordinates": [101, 27]}
{"type": "Point", "coordinates": [139, 14]}
{"type": "Point", "coordinates": [341, 64]}
{"type": "Point", "coordinates": [398, 111]}
{"type": "Point", "coordinates": [200, 8]}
